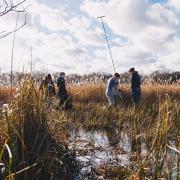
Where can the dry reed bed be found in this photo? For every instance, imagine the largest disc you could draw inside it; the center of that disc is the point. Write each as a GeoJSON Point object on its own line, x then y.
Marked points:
{"type": "Point", "coordinates": [155, 128]}
{"type": "Point", "coordinates": [35, 153]}
{"type": "Point", "coordinates": [155, 122]}
{"type": "Point", "coordinates": [96, 93]}
{"type": "Point", "coordinates": [5, 94]}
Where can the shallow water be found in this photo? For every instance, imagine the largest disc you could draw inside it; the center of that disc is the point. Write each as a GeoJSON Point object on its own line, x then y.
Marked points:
{"type": "Point", "coordinates": [96, 148]}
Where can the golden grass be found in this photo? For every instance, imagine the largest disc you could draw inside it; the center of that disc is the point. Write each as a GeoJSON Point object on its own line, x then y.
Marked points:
{"type": "Point", "coordinates": [155, 122]}
{"type": "Point", "coordinates": [96, 93]}
{"type": "Point", "coordinates": [36, 154]}
{"type": "Point", "coordinates": [5, 94]}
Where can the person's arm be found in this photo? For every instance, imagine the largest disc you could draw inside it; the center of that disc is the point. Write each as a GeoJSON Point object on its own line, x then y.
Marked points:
{"type": "Point", "coordinates": [139, 79]}
{"type": "Point", "coordinates": [117, 88]}
{"type": "Point", "coordinates": [58, 82]}
{"type": "Point", "coordinates": [133, 81]}
{"type": "Point", "coordinates": [117, 85]}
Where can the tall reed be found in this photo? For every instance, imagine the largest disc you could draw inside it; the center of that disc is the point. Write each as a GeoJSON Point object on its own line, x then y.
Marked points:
{"type": "Point", "coordinates": [36, 154]}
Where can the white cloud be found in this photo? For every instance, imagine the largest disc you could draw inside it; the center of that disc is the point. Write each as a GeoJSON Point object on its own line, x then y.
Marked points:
{"type": "Point", "coordinates": [142, 34]}
{"type": "Point", "coordinates": [149, 29]}
{"type": "Point", "coordinates": [52, 19]}
{"type": "Point", "coordinates": [124, 17]}
{"type": "Point", "coordinates": [175, 4]}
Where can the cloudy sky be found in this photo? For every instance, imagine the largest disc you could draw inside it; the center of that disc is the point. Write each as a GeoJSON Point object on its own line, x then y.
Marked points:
{"type": "Point", "coordinates": [65, 35]}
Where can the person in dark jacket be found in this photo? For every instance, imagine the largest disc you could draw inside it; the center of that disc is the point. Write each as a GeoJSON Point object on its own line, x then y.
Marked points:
{"type": "Point", "coordinates": [48, 86]}
{"type": "Point", "coordinates": [135, 86]}
{"type": "Point", "coordinates": [65, 100]}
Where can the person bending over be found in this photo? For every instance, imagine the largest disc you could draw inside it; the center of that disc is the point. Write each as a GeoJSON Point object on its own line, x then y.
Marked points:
{"type": "Point", "coordinates": [112, 89]}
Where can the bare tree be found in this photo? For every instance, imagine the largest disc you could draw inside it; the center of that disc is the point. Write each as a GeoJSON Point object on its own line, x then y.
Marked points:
{"type": "Point", "coordinates": [7, 6]}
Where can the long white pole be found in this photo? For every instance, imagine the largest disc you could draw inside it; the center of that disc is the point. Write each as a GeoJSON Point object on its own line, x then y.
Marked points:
{"type": "Point", "coordinates": [101, 17]}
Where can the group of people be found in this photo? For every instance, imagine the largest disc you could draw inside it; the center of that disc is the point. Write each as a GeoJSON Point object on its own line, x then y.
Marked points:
{"type": "Point", "coordinates": [49, 87]}
{"type": "Point", "coordinates": [112, 90]}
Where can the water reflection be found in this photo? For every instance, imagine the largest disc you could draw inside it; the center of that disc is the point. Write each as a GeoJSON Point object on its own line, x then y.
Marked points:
{"type": "Point", "coordinates": [113, 138]}
{"type": "Point", "coordinates": [96, 148]}
{"type": "Point", "coordinates": [136, 145]}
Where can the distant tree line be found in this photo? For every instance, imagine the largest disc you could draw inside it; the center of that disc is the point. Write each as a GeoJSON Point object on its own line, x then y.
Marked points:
{"type": "Point", "coordinates": [93, 78]}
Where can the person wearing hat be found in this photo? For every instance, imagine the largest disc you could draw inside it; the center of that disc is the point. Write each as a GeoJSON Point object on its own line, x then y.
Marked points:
{"type": "Point", "coordinates": [112, 89]}
{"type": "Point", "coordinates": [135, 86]}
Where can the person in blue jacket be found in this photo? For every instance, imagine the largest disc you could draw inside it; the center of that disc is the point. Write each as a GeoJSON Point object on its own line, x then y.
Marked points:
{"type": "Point", "coordinates": [112, 89]}
{"type": "Point", "coordinates": [135, 86]}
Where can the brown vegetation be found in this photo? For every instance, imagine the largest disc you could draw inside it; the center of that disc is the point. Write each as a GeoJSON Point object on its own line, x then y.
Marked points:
{"type": "Point", "coordinates": [31, 125]}
{"type": "Point", "coordinates": [5, 94]}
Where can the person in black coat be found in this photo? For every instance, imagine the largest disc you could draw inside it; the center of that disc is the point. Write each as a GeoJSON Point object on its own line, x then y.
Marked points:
{"type": "Point", "coordinates": [135, 86]}
{"type": "Point", "coordinates": [62, 92]}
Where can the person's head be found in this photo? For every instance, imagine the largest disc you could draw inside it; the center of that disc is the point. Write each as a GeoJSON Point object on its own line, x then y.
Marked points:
{"type": "Point", "coordinates": [116, 75]}
{"type": "Point", "coordinates": [62, 74]}
{"type": "Point", "coordinates": [131, 70]}
{"type": "Point", "coordinates": [49, 77]}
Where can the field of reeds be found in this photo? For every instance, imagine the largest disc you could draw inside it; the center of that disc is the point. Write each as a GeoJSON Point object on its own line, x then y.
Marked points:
{"type": "Point", "coordinates": [28, 149]}
{"type": "Point", "coordinates": [89, 141]}
{"type": "Point", "coordinates": [151, 128]}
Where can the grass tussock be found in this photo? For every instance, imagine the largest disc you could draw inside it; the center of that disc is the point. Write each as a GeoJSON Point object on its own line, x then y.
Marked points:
{"type": "Point", "coordinates": [36, 154]}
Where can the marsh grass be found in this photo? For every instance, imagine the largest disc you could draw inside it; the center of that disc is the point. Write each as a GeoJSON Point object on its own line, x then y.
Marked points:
{"type": "Point", "coordinates": [155, 122]}
{"type": "Point", "coordinates": [96, 93]}
{"type": "Point", "coordinates": [5, 95]}
{"type": "Point", "coordinates": [36, 154]}
{"type": "Point", "coordinates": [34, 132]}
